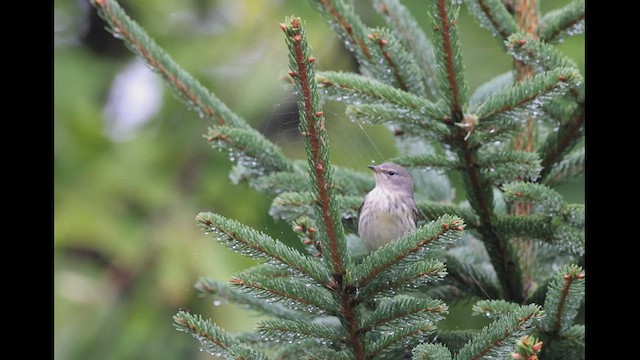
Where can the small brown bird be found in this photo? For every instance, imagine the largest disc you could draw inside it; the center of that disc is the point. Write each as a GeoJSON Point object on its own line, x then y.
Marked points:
{"type": "Point", "coordinates": [389, 210]}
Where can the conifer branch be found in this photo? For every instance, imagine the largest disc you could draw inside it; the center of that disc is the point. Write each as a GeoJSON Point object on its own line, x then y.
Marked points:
{"type": "Point", "coordinates": [405, 27]}
{"type": "Point", "coordinates": [346, 182]}
{"type": "Point", "coordinates": [414, 277]}
{"type": "Point", "coordinates": [431, 352]}
{"type": "Point", "coordinates": [481, 199]}
{"type": "Point", "coordinates": [306, 230]}
{"type": "Point", "coordinates": [243, 239]}
{"type": "Point", "coordinates": [303, 349]}
{"type": "Point", "coordinates": [296, 330]}
{"type": "Point", "coordinates": [281, 182]}
{"type": "Point", "coordinates": [215, 340]}
{"type": "Point", "coordinates": [401, 65]}
{"type": "Point", "coordinates": [451, 80]}
{"type": "Point", "coordinates": [431, 210]}
{"type": "Point", "coordinates": [496, 84]}
{"type": "Point", "coordinates": [341, 84]}
{"type": "Point", "coordinates": [471, 278]}
{"type": "Point", "coordinates": [409, 122]}
{"type": "Point", "coordinates": [324, 353]}
{"type": "Point", "coordinates": [549, 221]}
{"type": "Point", "coordinates": [455, 339]}
{"type": "Point", "coordinates": [291, 205]}
{"type": "Point", "coordinates": [398, 68]}
{"type": "Point", "coordinates": [564, 108]}
{"type": "Point", "coordinates": [505, 166]}
{"type": "Point", "coordinates": [497, 339]}
{"type": "Point", "coordinates": [428, 162]}
{"type": "Point", "coordinates": [527, 95]}
{"type": "Point", "coordinates": [224, 291]}
{"type": "Point", "coordinates": [407, 248]}
{"type": "Point", "coordinates": [252, 149]}
{"type": "Point", "coordinates": [480, 196]}
{"type": "Point", "coordinates": [564, 296]}
{"type": "Point", "coordinates": [539, 227]}
{"type": "Point", "coordinates": [402, 310]}
{"type": "Point", "coordinates": [344, 20]}
{"type": "Point", "coordinates": [182, 84]}
{"type": "Point", "coordinates": [454, 88]}
{"type": "Point", "coordinates": [382, 43]}
{"type": "Point", "coordinates": [570, 345]}
{"type": "Point", "coordinates": [549, 200]}
{"type": "Point", "coordinates": [312, 126]}
{"type": "Point", "coordinates": [403, 337]}
{"type": "Point", "coordinates": [314, 133]}
{"type": "Point", "coordinates": [293, 293]}
{"type": "Point", "coordinates": [494, 308]}
{"type": "Point", "coordinates": [542, 56]}
{"type": "Point", "coordinates": [568, 20]}
{"type": "Point", "coordinates": [493, 16]}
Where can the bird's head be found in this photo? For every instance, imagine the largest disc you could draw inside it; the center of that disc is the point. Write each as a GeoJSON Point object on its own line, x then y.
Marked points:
{"type": "Point", "coordinates": [392, 176]}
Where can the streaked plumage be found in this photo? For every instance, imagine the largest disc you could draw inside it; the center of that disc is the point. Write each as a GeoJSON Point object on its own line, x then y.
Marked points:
{"type": "Point", "coordinates": [389, 210]}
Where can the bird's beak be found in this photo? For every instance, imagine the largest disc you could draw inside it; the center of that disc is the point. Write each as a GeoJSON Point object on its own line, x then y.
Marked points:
{"type": "Point", "coordinates": [373, 167]}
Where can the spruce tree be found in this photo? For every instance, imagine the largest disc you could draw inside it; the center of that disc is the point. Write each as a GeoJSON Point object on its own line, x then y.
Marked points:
{"type": "Point", "coordinates": [514, 247]}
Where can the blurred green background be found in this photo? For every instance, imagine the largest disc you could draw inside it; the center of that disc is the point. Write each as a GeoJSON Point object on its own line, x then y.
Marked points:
{"type": "Point", "coordinates": [132, 168]}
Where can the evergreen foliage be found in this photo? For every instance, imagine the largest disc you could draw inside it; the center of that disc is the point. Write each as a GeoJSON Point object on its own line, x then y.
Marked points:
{"type": "Point", "coordinates": [518, 260]}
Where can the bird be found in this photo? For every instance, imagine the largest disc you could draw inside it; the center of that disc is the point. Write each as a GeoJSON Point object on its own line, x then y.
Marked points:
{"type": "Point", "coordinates": [389, 210]}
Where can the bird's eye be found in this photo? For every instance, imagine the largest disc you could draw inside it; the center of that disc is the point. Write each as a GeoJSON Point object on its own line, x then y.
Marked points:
{"type": "Point", "coordinates": [391, 172]}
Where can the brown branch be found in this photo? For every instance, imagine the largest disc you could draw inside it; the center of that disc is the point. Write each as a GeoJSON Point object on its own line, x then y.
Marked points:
{"type": "Point", "coordinates": [492, 19]}
{"type": "Point", "coordinates": [347, 28]}
{"type": "Point", "coordinates": [388, 58]}
{"type": "Point", "coordinates": [316, 143]}
{"type": "Point", "coordinates": [527, 19]}
{"type": "Point", "coordinates": [456, 107]}
{"type": "Point", "coordinates": [314, 133]}
{"type": "Point", "coordinates": [500, 258]}
{"type": "Point", "coordinates": [568, 280]}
